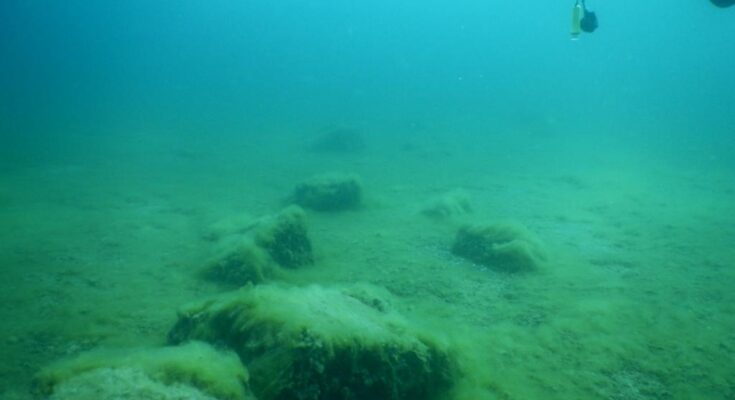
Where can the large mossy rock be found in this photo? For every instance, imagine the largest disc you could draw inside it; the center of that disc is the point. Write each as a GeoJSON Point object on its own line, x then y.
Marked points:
{"type": "Point", "coordinates": [504, 246]}
{"type": "Point", "coordinates": [319, 343]}
{"type": "Point", "coordinates": [329, 192]}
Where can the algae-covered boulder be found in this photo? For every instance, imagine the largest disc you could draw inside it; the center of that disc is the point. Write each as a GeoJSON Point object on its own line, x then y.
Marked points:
{"type": "Point", "coordinates": [504, 246]}
{"type": "Point", "coordinates": [280, 240]}
{"type": "Point", "coordinates": [448, 205]}
{"type": "Point", "coordinates": [285, 238]}
{"type": "Point", "coordinates": [320, 343]}
{"type": "Point", "coordinates": [246, 263]}
{"type": "Point", "coordinates": [329, 192]}
{"type": "Point", "coordinates": [192, 371]}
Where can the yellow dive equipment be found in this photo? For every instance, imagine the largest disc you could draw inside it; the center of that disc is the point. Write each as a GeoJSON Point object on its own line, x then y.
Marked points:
{"type": "Point", "coordinates": [577, 13]}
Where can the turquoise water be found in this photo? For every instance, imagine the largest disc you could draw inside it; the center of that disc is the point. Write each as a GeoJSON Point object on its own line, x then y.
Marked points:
{"type": "Point", "coordinates": [130, 131]}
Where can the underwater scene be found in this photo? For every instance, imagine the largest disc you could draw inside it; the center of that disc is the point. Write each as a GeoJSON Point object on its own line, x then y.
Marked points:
{"type": "Point", "coordinates": [367, 200]}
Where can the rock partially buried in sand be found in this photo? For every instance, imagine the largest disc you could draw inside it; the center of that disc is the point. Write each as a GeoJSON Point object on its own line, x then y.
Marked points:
{"type": "Point", "coordinates": [281, 240]}
{"type": "Point", "coordinates": [123, 383]}
{"type": "Point", "coordinates": [505, 246]}
{"type": "Point", "coordinates": [329, 192]}
{"type": "Point", "coordinates": [321, 343]}
{"type": "Point", "coordinates": [192, 371]}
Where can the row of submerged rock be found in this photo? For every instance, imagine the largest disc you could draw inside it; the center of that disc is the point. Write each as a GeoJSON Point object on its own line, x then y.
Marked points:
{"type": "Point", "coordinates": [273, 341]}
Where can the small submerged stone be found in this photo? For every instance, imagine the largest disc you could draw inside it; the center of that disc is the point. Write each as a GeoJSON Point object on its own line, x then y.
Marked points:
{"type": "Point", "coordinates": [506, 247]}
{"type": "Point", "coordinates": [339, 140]}
{"type": "Point", "coordinates": [451, 204]}
{"type": "Point", "coordinates": [329, 192]}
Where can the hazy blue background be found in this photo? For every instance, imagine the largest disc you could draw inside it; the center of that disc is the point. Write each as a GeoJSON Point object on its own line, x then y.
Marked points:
{"type": "Point", "coordinates": [130, 129]}
{"type": "Point", "coordinates": [207, 68]}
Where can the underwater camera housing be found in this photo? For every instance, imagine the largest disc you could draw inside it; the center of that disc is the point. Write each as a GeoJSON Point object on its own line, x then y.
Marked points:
{"type": "Point", "coordinates": [589, 21]}
{"type": "Point", "coordinates": [723, 3]}
{"type": "Point", "coordinates": [577, 12]}
{"type": "Point", "coordinates": [583, 20]}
